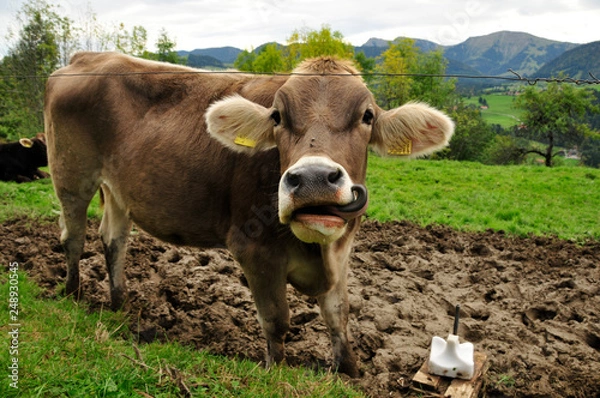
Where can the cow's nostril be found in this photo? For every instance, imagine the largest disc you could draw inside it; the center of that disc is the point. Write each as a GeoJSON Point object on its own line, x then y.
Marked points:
{"type": "Point", "coordinates": [334, 176]}
{"type": "Point", "coordinates": [293, 180]}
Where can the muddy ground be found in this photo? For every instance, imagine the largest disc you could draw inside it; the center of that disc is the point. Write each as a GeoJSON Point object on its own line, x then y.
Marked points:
{"type": "Point", "coordinates": [532, 305]}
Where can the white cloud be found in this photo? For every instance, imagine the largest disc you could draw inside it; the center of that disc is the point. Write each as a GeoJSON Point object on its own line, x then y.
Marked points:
{"type": "Point", "coordinates": [245, 24]}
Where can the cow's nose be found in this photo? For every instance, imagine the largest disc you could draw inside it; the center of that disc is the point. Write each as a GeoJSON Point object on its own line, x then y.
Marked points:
{"type": "Point", "coordinates": [313, 177]}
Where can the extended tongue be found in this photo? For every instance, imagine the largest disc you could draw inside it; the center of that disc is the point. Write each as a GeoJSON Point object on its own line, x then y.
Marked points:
{"type": "Point", "coordinates": [353, 209]}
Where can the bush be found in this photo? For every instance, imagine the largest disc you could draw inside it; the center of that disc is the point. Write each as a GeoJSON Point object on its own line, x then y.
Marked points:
{"type": "Point", "coordinates": [590, 152]}
{"type": "Point", "coordinates": [503, 150]}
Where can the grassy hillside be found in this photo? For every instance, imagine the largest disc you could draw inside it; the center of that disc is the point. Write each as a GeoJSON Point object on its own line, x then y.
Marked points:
{"type": "Point", "coordinates": [576, 63]}
{"type": "Point", "coordinates": [563, 201]}
{"type": "Point", "coordinates": [500, 109]}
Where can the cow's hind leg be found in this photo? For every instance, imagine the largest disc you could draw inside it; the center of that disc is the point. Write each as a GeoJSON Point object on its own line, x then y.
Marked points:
{"type": "Point", "coordinates": [73, 224]}
{"type": "Point", "coordinates": [115, 228]}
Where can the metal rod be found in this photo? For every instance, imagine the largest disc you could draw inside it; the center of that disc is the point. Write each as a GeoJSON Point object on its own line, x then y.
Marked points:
{"type": "Point", "coordinates": [456, 319]}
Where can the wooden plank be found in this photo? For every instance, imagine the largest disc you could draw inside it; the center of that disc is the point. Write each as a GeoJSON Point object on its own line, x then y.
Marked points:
{"type": "Point", "coordinates": [460, 388]}
{"type": "Point", "coordinates": [425, 380]}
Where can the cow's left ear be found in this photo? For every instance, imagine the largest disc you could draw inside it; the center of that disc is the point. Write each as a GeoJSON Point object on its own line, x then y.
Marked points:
{"type": "Point", "coordinates": [26, 142]}
{"type": "Point", "coordinates": [240, 124]}
{"type": "Point", "coordinates": [412, 130]}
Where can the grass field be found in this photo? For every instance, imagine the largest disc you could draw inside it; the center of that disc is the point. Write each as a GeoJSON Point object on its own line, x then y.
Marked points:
{"type": "Point", "coordinates": [521, 200]}
{"type": "Point", "coordinates": [66, 350]}
{"type": "Point", "coordinates": [500, 110]}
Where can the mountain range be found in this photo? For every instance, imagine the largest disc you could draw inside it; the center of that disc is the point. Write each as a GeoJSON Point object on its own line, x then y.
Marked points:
{"type": "Point", "coordinates": [489, 55]}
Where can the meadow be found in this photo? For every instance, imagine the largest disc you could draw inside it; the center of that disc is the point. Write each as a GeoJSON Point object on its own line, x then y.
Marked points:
{"type": "Point", "coordinates": [66, 349]}
{"type": "Point", "coordinates": [500, 109]}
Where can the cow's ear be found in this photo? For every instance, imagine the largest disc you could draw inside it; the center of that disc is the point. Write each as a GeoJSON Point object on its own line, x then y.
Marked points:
{"type": "Point", "coordinates": [26, 142]}
{"type": "Point", "coordinates": [241, 124]}
{"type": "Point", "coordinates": [412, 130]}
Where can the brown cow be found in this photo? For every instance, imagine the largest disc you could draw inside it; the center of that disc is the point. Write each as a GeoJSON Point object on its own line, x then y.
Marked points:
{"type": "Point", "coordinates": [281, 186]}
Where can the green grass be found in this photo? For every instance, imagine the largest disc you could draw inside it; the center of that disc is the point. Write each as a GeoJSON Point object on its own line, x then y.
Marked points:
{"type": "Point", "coordinates": [520, 200]}
{"type": "Point", "coordinates": [500, 111]}
{"type": "Point", "coordinates": [64, 350]}
{"type": "Point", "coordinates": [35, 199]}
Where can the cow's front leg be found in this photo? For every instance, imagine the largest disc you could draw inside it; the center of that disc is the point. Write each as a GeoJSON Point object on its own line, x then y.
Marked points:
{"type": "Point", "coordinates": [334, 309]}
{"type": "Point", "coordinates": [268, 286]}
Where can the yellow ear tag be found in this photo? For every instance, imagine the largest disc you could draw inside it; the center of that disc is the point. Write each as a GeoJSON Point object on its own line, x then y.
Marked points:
{"type": "Point", "coordinates": [404, 149]}
{"type": "Point", "coordinates": [244, 141]}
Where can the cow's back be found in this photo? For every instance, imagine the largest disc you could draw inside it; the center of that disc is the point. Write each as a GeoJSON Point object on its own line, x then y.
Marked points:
{"type": "Point", "coordinates": [138, 128]}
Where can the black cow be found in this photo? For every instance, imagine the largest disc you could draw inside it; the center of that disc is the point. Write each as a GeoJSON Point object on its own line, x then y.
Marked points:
{"type": "Point", "coordinates": [20, 161]}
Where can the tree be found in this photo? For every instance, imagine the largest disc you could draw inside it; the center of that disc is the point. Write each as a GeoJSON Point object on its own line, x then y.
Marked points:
{"type": "Point", "coordinates": [308, 43]}
{"type": "Point", "coordinates": [590, 151]}
{"type": "Point", "coordinates": [42, 45]}
{"type": "Point", "coordinates": [302, 44]}
{"type": "Point", "coordinates": [433, 89]}
{"type": "Point", "coordinates": [393, 88]}
{"type": "Point", "coordinates": [166, 48]}
{"type": "Point", "coordinates": [554, 116]}
{"type": "Point", "coordinates": [245, 61]}
{"type": "Point", "coordinates": [397, 84]}
{"type": "Point", "coordinates": [472, 135]}
{"type": "Point", "coordinates": [270, 59]}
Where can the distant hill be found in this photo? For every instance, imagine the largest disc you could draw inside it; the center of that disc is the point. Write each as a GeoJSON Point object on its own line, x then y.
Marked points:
{"type": "Point", "coordinates": [374, 46]}
{"type": "Point", "coordinates": [495, 53]}
{"type": "Point", "coordinates": [204, 61]}
{"type": "Point", "coordinates": [490, 55]}
{"type": "Point", "coordinates": [576, 63]}
{"type": "Point", "coordinates": [224, 54]}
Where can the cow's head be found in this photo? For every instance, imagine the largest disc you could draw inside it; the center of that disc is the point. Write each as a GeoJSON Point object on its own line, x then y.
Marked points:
{"type": "Point", "coordinates": [322, 121]}
{"type": "Point", "coordinates": [37, 149]}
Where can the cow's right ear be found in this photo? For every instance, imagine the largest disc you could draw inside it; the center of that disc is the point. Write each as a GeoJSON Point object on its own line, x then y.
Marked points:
{"type": "Point", "coordinates": [240, 124]}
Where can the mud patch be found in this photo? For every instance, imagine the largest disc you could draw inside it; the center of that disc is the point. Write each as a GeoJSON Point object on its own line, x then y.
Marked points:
{"type": "Point", "coordinates": [532, 304]}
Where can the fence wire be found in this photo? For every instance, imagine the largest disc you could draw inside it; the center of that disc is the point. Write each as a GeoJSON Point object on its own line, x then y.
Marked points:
{"type": "Point", "coordinates": [516, 77]}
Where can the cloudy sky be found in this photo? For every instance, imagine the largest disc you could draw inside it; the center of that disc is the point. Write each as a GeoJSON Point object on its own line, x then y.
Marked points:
{"type": "Point", "coordinates": [250, 23]}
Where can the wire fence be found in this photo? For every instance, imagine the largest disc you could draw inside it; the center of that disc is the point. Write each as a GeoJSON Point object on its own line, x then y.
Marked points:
{"type": "Point", "coordinates": [516, 77]}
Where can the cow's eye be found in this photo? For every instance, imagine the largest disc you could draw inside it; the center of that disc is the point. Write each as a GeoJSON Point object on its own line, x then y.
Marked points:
{"type": "Point", "coordinates": [276, 116]}
{"type": "Point", "coordinates": [368, 117]}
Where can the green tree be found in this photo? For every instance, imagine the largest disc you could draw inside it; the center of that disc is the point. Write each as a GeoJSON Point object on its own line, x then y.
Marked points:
{"type": "Point", "coordinates": [590, 151]}
{"type": "Point", "coordinates": [366, 65]}
{"type": "Point", "coordinates": [472, 134]}
{"type": "Point", "coordinates": [555, 115]}
{"type": "Point", "coordinates": [308, 43]}
{"type": "Point", "coordinates": [302, 44]}
{"type": "Point", "coordinates": [397, 83]}
{"type": "Point", "coordinates": [433, 89]}
{"type": "Point", "coordinates": [245, 61]}
{"type": "Point", "coordinates": [40, 47]}
{"type": "Point", "coordinates": [270, 59]}
{"type": "Point", "coordinates": [392, 88]}
{"type": "Point", "coordinates": [139, 37]}
{"type": "Point", "coordinates": [166, 48]}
